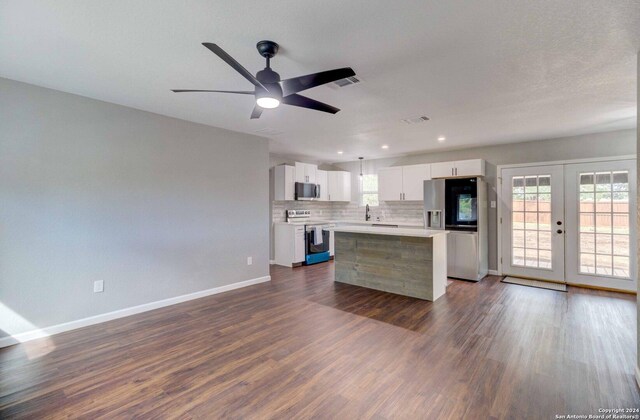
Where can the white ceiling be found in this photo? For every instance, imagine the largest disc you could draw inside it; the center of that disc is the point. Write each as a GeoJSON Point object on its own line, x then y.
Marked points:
{"type": "Point", "coordinates": [485, 72]}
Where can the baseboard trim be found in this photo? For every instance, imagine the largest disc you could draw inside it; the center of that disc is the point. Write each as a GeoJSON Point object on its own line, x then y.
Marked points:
{"type": "Point", "coordinates": [605, 289]}
{"type": "Point", "coordinates": [493, 273]}
{"type": "Point", "coordinates": [272, 262]}
{"type": "Point", "coordinates": [121, 313]}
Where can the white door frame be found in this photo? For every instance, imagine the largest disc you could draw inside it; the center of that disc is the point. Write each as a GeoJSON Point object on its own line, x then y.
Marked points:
{"type": "Point", "coordinates": [499, 169]}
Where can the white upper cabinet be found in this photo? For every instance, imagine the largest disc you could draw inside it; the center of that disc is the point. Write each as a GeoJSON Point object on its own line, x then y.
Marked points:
{"type": "Point", "coordinates": [284, 183]}
{"type": "Point", "coordinates": [339, 183]}
{"type": "Point", "coordinates": [460, 168]}
{"type": "Point", "coordinates": [402, 183]}
{"type": "Point", "coordinates": [322, 180]}
{"type": "Point", "coordinates": [443, 170]}
{"type": "Point", "coordinates": [390, 184]}
{"type": "Point", "coordinates": [471, 167]}
{"type": "Point", "coordinates": [306, 172]}
{"type": "Point", "coordinates": [413, 178]}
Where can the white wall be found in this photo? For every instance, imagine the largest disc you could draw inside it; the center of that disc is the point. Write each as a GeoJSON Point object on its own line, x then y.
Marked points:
{"type": "Point", "coordinates": [154, 206]}
{"type": "Point", "coordinates": [613, 143]}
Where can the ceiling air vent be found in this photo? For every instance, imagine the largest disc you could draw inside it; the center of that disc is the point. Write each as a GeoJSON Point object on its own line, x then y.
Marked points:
{"type": "Point", "coordinates": [415, 120]}
{"type": "Point", "coordinates": [351, 80]}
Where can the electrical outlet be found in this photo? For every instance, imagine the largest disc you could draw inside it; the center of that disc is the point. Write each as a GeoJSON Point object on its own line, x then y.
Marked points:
{"type": "Point", "coordinates": [493, 204]}
{"type": "Point", "coordinates": [98, 286]}
{"type": "Point", "coordinates": [249, 260]}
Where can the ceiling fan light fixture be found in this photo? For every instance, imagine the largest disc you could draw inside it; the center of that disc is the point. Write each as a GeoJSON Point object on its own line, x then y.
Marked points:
{"type": "Point", "coordinates": [267, 102]}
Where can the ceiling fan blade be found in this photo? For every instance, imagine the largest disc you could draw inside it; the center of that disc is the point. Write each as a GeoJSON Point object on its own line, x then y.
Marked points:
{"type": "Point", "coordinates": [298, 84]}
{"type": "Point", "coordinates": [233, 63]}
{"type": "Point", "coordinates": [241, 92]}
{"type": "Point", "coordinates": [304, 102]}
{"type": "Point", "coordinates": [257, 111]}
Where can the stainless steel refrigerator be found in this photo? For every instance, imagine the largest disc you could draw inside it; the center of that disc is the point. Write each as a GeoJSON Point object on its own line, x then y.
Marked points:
{"type": "Point", "coordinates": [459, 206]}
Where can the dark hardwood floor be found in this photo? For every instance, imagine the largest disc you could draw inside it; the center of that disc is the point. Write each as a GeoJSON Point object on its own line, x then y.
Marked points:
{"type": "Point", "coordinates": [302, 346]}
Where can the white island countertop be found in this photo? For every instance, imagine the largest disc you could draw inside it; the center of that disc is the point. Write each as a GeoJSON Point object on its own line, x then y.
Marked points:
{"type": "Point", "coordinates": [391, 231]}
{"type": "Point", "coordinates": [351, 222]}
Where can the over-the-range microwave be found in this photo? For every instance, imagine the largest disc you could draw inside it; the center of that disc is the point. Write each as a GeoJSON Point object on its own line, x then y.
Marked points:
{"type": "Point", "coordinates": [307, 191]}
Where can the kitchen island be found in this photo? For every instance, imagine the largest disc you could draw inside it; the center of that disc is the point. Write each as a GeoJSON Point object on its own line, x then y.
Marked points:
{"type": "Point", "coordinates": [409, 262]}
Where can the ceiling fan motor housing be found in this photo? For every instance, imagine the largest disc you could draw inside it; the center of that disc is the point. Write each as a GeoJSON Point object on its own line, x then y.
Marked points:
{"type": "Point", "coordinates": [267, 76]}
{"type": "Point", "coordinates": [267, 49]}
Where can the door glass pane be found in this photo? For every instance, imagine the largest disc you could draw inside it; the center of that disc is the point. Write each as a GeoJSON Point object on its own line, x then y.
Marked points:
{"type": "Point", "coordinates": [605, 212]}
{"type": "Point", "coordinates": [531, 221]}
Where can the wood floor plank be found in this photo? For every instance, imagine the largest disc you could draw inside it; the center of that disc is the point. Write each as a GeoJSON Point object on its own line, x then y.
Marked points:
{"type": "Point", "coordinates": [303, 346]}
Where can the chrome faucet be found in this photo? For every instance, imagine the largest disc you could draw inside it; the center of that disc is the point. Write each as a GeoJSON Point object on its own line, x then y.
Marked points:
{"type": "Point", "coordinates": [367, 216]}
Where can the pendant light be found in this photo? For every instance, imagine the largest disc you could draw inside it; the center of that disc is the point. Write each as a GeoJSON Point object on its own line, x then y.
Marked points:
{"type": "Point", "coordinates": [361, 158]}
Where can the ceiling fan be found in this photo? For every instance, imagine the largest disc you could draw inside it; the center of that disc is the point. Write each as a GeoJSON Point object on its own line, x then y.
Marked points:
{"type": "Point", "coordinates": [269, 90]}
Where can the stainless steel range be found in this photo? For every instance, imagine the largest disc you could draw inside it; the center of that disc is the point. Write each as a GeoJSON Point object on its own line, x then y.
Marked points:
{"type": "Point", "coordinates": [316, 236]}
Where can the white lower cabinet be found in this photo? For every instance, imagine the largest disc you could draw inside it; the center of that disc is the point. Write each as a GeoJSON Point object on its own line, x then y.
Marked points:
{"type": "Point", "coordinates": [289, 244]}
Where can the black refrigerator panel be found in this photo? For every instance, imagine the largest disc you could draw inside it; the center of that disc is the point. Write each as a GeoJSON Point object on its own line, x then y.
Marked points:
{"type": "Point", "coordinates": [461, 204]}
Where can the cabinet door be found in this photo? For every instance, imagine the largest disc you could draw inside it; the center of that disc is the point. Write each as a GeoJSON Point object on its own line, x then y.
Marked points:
{"type": "Point", "coordinates": [299, 245]}
{"type": "Point", "coordinates": [472, 167]}
{"type": "Point", "coordinates": [301, 175]}
{"type": "Point", "coordinates": [442, 169]}
{"type": "Point", "coordinates": [322, 181]}
{"type": "Point", "coordinates": [346, 186]}
{"type": "Point", "coordinates": [390, 184]}
{"type": "Point", "coordinates": [339, 186]}
{"type": "Point", "coordinates": [284, 183]}
{"type": "Point", "coordinates": [413, 178]}
{"type": "Point", "coordinates": [306, 172]}
{"type": "Point", "coordinates": [332, 185]}
{"type": "Point", "coordinates": [311, 172]}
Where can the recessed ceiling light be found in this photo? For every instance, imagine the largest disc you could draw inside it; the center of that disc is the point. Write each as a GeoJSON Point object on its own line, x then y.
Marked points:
{"type": "Point", "coordinates": [442, 138]}
{"type": "Point", "coordinates": [385, 146]}
{"type": "Point", "coordinates": [340, 152]}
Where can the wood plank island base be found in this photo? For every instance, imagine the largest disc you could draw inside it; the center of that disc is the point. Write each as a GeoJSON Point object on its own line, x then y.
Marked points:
{"type": "Point", "coordinates": [408, 262]}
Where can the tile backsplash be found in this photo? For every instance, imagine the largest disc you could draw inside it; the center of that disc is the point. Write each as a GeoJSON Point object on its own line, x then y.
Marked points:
{"type": "Point", "coordinates": [401, 211]}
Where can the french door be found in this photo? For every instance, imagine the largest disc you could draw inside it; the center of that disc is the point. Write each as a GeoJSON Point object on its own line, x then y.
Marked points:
{"type": "Point", "coordinates": [601, 198]}
{"type": "Point", "coordinates": [533, 222]}
{"type": "Point", "coordinates": [572, 223]}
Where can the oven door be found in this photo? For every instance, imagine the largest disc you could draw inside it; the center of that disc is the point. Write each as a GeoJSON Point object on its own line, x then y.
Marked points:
{"type": "Point", "coordinates": [312, 246]}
